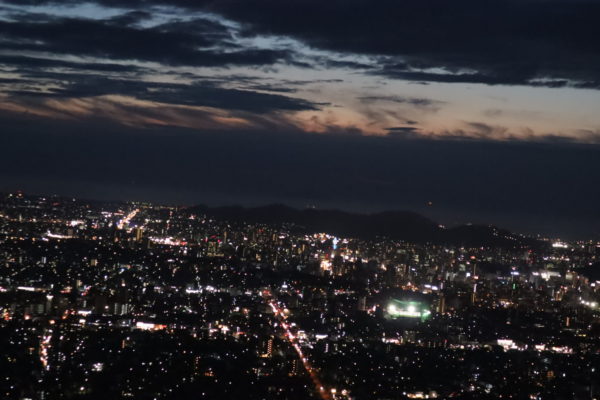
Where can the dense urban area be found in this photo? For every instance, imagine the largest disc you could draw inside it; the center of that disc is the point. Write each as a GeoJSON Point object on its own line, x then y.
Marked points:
{"type": "Point", "coordinates": [102, 300]}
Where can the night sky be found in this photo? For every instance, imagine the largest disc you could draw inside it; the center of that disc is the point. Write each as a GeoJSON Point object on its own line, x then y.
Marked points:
{"type": "Point", "coordinates": [490, 110]}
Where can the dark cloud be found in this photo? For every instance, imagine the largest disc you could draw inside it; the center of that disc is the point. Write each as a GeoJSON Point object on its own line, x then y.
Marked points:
{"type": "Point", "coordinates": [510, 42]}
{"type": "Point", "coordinates": [404, 132]}
{"type": "Point", "coordinates": [486, 131]}
{"type": "Point", "coordinates": [131, 18]}
{"type": "Point", "coordinates": [497, 42]}
{"type": "Point", "coordinates": [12, 81]}
{"type": "Point", "coordinates": [297, 82]}
{"type": "Point", "coordinates": [494, 42]}
{"type": "Point", "coordinates": [272, 88]}
{"type": "Point", "coordinates": [196, 43]}
{"type": "Point", "coordinates": [481, 131]}
{"type": "Point", "coordinates": [196, 94]}
{"type": "Point", "coordinates": [489, 78]}
{"type": "Point", "coordinates": [413, 101]}
{"type": "Point", "coordinates": [23, 64]}
{"type": "Point", "coordinates": [346, 64]}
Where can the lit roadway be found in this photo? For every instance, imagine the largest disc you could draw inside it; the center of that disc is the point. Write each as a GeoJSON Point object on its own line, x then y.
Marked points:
{"type": "Point", "coordinates": [281, 317]}
{"type": "Point", "coordinates": [125, 221]}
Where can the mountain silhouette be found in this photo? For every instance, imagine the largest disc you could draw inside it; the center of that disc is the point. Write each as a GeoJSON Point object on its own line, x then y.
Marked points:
{"type": "Point", "coordinates": [398, 225]}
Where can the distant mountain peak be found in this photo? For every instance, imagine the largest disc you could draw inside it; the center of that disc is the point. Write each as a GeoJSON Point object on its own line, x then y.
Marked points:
{"type": "Point", "coordinates": [396, 224]}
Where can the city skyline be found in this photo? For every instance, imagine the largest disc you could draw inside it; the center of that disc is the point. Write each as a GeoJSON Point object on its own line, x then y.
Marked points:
{"type": "Point", "coordinates": [138, 300]}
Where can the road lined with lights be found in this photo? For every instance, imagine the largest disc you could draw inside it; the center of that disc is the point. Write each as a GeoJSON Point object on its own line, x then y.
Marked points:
{"type": "Point", "coordinates": [44, 349]}
{"type": "Point", "coordinates": [293, 340]}
{"type": "Point", "coordinates": [124, 222]}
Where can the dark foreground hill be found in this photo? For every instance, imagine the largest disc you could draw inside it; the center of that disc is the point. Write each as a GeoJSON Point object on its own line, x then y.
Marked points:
{"type": "Point", "coordinates": [398, 225]}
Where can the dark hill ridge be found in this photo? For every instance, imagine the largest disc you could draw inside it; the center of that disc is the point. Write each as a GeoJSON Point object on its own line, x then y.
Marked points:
{"type": "Point", "coordinates": [398, 225]}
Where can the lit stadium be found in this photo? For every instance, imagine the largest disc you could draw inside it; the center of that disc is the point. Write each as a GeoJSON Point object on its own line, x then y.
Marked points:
{"type": "Point", "coordinates": [407, 309]}
{"type": "Point", "coordinates": [406, 306]}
